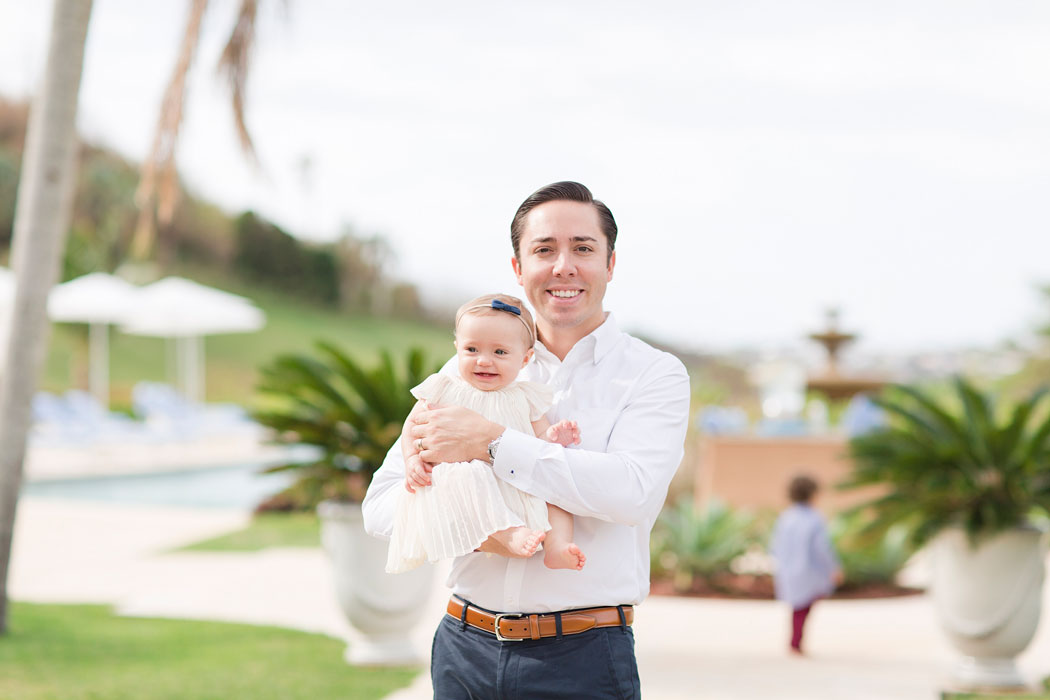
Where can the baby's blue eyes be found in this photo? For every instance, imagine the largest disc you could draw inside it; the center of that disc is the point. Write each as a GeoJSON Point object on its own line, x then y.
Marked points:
{"type": "Point", "coordinates": [471, 348]}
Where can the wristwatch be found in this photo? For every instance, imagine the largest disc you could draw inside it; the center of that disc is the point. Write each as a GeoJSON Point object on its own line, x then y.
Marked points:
{"type": "Point", "coordinates": [493, 446]}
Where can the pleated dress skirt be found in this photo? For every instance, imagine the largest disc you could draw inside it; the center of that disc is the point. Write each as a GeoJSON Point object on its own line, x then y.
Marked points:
{"type": "Point", "coordinates": [465, 502]}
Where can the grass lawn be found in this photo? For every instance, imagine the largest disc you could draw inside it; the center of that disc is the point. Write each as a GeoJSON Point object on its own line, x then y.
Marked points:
{"type": "Point", "coordinates": [84, 652]}
{"type": "Point", "coordinates": [948, 695]}
{"type": "Point", "coordinates": [266, 530]}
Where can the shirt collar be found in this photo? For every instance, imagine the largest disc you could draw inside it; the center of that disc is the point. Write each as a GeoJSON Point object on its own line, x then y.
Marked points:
{"type": "Point", "coordinates": [593, 346]}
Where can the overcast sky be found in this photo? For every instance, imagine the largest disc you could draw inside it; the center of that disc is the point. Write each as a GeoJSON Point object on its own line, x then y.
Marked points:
{"type": "Point", "coordinates": [763, 159]}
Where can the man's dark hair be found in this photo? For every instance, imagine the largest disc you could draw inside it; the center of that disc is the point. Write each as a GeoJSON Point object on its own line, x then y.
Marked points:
{"type": "Point", "coordinates": [562, 191]}
{"type": "Point", "coordinates": [801, 489]}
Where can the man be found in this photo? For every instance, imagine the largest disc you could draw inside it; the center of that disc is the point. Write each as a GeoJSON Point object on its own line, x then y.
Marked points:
{"type": "Point", "coordinates": [632, 403]}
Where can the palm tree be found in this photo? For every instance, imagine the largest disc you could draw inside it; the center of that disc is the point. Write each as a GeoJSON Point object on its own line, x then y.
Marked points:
{"type": "Point", "coordinates": [158, 189]}
{"type": "Point", "coordinates": [42, 215]}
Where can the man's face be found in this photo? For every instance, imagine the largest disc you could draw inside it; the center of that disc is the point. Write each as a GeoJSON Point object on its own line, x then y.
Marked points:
{"type": "Point", "coordinates": [491, 349]}
{"type": "Point", "coordinates": [563, 264]}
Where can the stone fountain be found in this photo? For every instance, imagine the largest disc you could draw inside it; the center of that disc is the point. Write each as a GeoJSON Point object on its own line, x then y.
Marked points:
{"type": "Point", "coordinates": [831, 382]}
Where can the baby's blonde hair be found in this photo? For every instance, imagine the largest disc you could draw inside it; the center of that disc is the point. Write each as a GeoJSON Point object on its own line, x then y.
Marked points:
{"type": "Point", "coordinates": [482, 306]}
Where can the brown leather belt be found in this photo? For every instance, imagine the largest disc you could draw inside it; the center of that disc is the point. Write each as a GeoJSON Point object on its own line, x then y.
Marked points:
{"type": "Point", "coordinates": [517, 627]}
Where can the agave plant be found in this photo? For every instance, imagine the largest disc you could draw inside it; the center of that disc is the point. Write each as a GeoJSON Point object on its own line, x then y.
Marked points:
{"type": "Point", "coordinates": [351, 413]}
{"type": "Point", "coordinates": [958, 460]}
{"type": "Point", "coordinates": [690, 542]}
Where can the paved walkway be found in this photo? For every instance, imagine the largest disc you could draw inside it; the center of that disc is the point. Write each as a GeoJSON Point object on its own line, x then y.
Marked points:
{"type": "Point", "coordinates": [687, 648]}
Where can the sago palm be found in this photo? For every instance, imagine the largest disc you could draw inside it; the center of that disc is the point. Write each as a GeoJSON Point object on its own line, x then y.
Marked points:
{"type": "Point", "coordinates": [353, 414]}
{"type": "Point", "coordinates": [959, 460]}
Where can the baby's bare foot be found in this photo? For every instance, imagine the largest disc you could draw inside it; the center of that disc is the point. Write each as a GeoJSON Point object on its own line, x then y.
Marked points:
{"type": "Point", "coordinates": [568, 556]}
{"type": "Point", "coordinates": [521, 542]}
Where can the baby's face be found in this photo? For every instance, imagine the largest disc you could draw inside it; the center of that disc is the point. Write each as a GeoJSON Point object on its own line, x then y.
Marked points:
{"type": "Point", "coordinates": [491, 349]}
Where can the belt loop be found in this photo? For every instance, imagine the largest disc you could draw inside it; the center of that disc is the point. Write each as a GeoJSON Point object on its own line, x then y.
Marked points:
{"type": "Point", "coordinates": [463, 616]}
{"type": "Point", "coordinates": [557, 625]}
{"type": "Point", "coordinates": [623, 619]}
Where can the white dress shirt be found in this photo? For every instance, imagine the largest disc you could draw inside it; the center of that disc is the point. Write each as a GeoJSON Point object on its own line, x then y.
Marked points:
{"type": "Point", "coordinates": [632, 405]}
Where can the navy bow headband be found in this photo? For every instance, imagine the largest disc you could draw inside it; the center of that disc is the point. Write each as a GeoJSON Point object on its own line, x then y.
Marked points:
{"type": "Point", "coordinates": [500, 306]}
{"type": "Point", "coordinates": [510, 309]}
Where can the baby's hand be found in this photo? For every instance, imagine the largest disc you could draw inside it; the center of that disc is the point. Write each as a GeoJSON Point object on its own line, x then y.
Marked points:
{"type": "Point", "coordinates": [417, 473]}
{"type": "Point", "coordinates": [564, 432]}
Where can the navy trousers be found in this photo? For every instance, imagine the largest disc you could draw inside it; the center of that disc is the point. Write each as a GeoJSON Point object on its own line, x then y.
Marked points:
{"type": "Point", "coordinates": [469, 664]}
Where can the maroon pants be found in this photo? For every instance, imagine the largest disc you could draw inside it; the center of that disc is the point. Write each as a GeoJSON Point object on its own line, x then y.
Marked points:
{"type": "Point", "coordinates": [798, 619]}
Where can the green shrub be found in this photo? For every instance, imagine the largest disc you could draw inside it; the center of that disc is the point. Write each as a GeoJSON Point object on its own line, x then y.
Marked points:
{"type": "Point", "coordinates": [690, 543]}
{"type": "Point", "coordinates": [868, 560]}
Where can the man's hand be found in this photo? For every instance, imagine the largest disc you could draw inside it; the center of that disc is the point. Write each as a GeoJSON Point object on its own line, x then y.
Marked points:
{"type": "Point", "coordinates": [453, 434]}
{"type": "Point", "coordinates": [417, 473]}
{"type": "Point", "coordinates": [564, 432]}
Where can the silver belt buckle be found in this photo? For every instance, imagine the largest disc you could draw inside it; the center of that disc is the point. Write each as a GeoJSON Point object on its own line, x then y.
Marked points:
{"type": "Point", "coordinates": [514, 616]}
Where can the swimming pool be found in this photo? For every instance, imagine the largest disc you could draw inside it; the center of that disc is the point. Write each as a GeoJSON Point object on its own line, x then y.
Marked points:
{"type": "Point", "coordinates": [234, 486]}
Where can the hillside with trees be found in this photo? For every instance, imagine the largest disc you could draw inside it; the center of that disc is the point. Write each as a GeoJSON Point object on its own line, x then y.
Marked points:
{"type": "Point", "coordinates": [348, 274]}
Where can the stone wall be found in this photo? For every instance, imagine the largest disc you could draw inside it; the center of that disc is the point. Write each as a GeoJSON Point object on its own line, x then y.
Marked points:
{"type": "Point", "coordinates": [753, 472]}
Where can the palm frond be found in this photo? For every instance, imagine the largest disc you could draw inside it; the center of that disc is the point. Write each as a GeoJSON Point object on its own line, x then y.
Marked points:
{"type": "Point", "coordinates": [978, 423]}
{"type": "Point", "coordinates": [1009, 439]}
{"type": "Point", "coordinates": [234, 64]}
{"type": "Point", "coordinates": [943, 417]}
{"type": "Point", "coordinates": [1035, 449]}
{"type": "Point", "coordinates": [157, 192]}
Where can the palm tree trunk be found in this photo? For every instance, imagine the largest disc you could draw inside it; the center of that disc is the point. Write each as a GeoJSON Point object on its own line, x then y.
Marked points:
{"type": "Point", "coordinates": [42, 215]}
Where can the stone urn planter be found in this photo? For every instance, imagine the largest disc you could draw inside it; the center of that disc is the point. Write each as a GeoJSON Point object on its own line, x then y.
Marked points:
{"type": "Point", "coordinates": [965, 470]}
{"type": "Point", "coordinates": [988, 599]}
{"type": "Point", "coordinates": [382, 607]}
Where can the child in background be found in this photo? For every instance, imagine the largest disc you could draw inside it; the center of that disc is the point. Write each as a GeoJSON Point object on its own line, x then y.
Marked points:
{"type": "Point", "coordinates": [807, 567]}
{"type": "Point", "coordinates": [464, 504]}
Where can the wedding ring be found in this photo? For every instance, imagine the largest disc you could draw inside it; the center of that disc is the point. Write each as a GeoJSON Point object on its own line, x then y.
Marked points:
{"type": "Point", "coordinates": [419, 444]}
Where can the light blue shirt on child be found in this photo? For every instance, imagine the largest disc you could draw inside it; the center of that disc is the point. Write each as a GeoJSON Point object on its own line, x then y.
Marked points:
{"type": "Point", "coordinates": [805, 560]}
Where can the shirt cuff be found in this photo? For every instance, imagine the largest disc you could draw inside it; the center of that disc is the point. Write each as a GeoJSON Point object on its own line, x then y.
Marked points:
{"type": "Point", "coordinates": [516, 458]}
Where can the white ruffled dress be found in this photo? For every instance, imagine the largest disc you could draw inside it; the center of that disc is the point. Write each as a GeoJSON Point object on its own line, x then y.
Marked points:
{"type": "Point", "coordinates": [465, 502]}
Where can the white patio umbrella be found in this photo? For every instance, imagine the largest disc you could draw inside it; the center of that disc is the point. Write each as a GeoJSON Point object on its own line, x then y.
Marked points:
{"type": "Point", "coordinates": [99, 300]}
{"type": "Point", "coordinates": [187, 311]}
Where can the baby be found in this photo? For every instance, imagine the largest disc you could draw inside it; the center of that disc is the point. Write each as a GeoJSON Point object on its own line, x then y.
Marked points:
{"type": "Point", "coordinates": [464, 504]}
